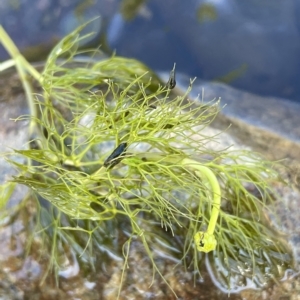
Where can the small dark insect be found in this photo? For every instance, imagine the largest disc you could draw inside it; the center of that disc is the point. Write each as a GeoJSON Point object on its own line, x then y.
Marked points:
{"type": "Point", "coordinates": [172, 82]}
{"type": "Point", "coordinates": [116, 156]}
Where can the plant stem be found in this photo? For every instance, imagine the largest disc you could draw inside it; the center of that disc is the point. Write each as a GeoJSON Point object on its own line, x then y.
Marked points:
{"type": "Point", "coordinates": [205, 241]}
{"type": "Point", "coordinates": [21, 64]}
{"type": "Point", "coordinates": [13, 51]}
{"type": "Point", "coordinates": [210, 176]}
{"type": "Point", "coordinates": [7, 64]}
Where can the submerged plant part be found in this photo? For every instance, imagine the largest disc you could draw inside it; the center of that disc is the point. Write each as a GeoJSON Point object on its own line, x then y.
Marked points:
{"type": "Point", "coordinates": [118, 156]}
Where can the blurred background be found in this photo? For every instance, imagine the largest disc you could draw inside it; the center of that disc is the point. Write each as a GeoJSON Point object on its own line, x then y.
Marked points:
{"type": "Point", "coordinates": [252, 45]}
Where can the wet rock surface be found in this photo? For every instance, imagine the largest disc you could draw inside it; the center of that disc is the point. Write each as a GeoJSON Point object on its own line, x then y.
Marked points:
{"type": "Point", "coordinates": [269, 125]}
{"type": "Point", "coordinates": [21, 272]}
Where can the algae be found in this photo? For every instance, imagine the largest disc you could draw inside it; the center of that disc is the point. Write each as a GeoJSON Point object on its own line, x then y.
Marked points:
{"type": "Point", "coordinates": [113, 158]}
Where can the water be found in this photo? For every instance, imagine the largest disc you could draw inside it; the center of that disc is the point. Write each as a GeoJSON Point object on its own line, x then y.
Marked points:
{"type": "Point", "coordinates": [252, 45]}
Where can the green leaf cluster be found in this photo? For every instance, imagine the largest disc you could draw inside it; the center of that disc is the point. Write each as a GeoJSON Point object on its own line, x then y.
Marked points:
{"type": "Point", "coordinates": [115, 155]}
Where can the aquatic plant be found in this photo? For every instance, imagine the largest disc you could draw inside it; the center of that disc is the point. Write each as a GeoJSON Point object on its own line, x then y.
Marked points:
{"type": "Point", "coordinates": [115, 155]}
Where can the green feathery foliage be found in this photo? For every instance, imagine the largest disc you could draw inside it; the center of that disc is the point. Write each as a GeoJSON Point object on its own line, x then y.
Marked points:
{"type": "Point", "coordinates": [114, 155]}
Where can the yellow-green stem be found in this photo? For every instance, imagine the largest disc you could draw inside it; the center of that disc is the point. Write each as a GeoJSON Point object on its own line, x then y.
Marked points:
{"type": "Point", "coordinates": [205, 241]}
{"type": "Point", "coordinates": [21, 64]}
{"type": "Point", "coordinates": [210, 176]}
{"type": "Point", "coordinates": [13, 51]}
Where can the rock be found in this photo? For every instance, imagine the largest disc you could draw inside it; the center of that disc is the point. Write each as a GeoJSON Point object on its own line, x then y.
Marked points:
{"type": "Point", "coordinates": [267, 124]}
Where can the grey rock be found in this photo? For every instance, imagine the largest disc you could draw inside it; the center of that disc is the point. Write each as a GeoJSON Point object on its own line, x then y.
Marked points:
{"type": "Point", "coordinates": [269, 125]}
